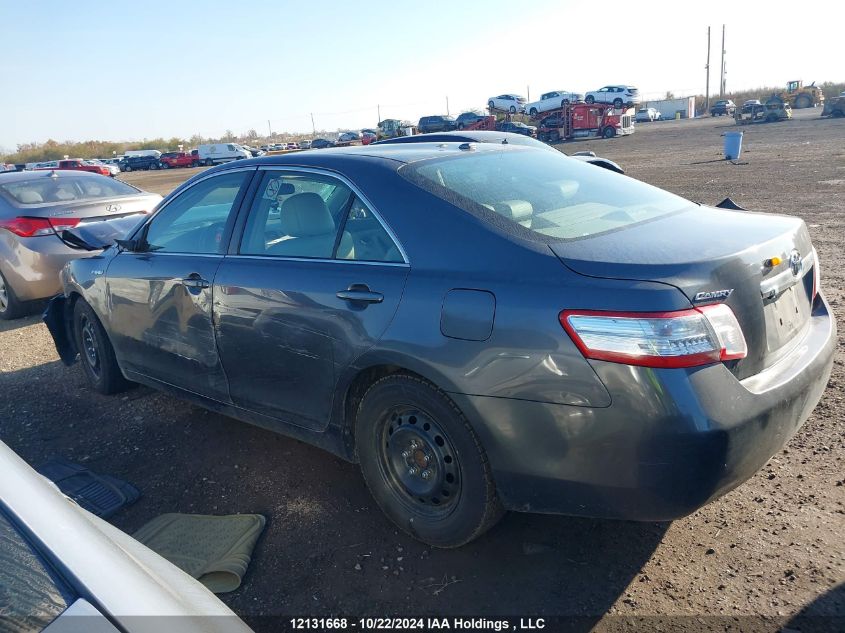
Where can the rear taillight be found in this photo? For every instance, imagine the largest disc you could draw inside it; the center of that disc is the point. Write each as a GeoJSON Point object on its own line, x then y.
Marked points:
{"type": "Point", "coordinates": [817, 274]}
{"type": "Point", "coordinates": [34, 227]}
{"type": "Point", "coordinates": [686, 338]}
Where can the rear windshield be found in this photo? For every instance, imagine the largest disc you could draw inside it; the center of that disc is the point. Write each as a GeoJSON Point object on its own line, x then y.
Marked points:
{"type": "Point", "coordinates": [64, 188]}
{"type": "Point", "coordinates": [551, 195]}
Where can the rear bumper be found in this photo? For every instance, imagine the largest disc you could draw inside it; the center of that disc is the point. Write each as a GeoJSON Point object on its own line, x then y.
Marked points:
{"type": "Point", "coordinates": [671, 441]}
{"type": "Point", "coordinates": [32, 265]}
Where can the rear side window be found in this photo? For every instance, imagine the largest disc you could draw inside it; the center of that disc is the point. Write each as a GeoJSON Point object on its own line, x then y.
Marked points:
{"type": "Point", "coordinates": [550, 195]}
{"type": "Point", "coordinates": [31, 596]}
{"type": "Point", "coordinates": [315, 216]}
{"type": "Point", "coordinates": [63, 188]}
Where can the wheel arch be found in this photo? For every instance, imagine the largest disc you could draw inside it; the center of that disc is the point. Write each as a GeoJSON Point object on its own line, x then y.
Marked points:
{"type": "Point", "coordinates": [360, 378]}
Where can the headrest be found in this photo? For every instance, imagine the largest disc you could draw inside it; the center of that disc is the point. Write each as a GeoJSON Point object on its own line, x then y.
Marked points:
{"type": "Point", "coordinates": [27, 196]}
{"type": "Point", "coordinates": [305, 215]}
{"type": "Point", "coordinates": [516, 210]}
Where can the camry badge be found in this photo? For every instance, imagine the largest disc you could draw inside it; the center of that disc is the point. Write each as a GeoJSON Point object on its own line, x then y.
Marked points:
{"type": "Point", "coordinates": [796, 264]}
{"type": "Point", "coordinates": [712, 295]}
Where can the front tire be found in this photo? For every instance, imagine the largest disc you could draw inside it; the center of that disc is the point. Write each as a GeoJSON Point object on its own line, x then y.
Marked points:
{"type": "Point", "coordinates": [10, 307]}
{"type": "Point", "coordinates": [617, 103]}
{"type": "Point", "coordinates": [96, 352]}
{"type": "Point", "coordinates": [533, 112]}
{"type": "Point", "coordinates": [609, 132]}
{"type": "Point", "coordinates": [127, 168]}
{"type": "Point", "coordinates": [423, 463]}
{"type": "Point", "coordinates": [590, 99]}
{"type": "Point", "coordinates": [153, 165]}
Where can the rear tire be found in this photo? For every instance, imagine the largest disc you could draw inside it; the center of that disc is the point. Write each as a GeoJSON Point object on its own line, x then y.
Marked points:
{"type": "Point", "coordinates": [165, 166]}
{"type": "Point", "coordinates": [617, 103]}
{"type": "Point", "coordinates": [10, 307]}
{"type": "Point", "coordinates": [491, 105]}
{"type": "Point", "coordinates": [209, 162]}
{"type": "Point", "coordinates": [153, 165]}
{"type": "Point", "coordinates": [423, 463]}
{"type": "Point", "coordinates": [513, 109]}
{"type": "Point", "coordinates": [590, 99]}
{"type": "Point", "coordinates": [96, 352]}
{"type": "Point", "coordinates": [533, 112]}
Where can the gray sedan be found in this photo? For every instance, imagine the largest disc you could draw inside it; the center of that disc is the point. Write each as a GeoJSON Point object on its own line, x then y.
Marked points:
{"type": "Point", "coordinates": [481, 326]}
{"type": "Point", "coordinates": [35, 208]}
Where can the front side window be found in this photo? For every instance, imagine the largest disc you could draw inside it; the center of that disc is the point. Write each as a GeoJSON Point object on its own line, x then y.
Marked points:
{"type": "Point", "coordinates": [314, 216]}
{"type": "Point", "coordinates": [195, 221]}
{"type": "Point", "coordinates": [553, 196]}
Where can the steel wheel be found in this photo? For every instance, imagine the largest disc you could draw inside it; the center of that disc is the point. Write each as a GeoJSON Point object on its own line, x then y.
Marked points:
{"type": "Point", "coordinates": [419, 462]}
{"type": "Point", "coordinates": [89, 346]}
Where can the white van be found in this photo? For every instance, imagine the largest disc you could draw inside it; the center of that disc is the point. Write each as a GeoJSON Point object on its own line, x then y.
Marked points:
{"type": "Point", "coordinates": [221, 153]}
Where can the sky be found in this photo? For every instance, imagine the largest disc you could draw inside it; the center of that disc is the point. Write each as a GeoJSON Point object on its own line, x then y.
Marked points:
{"type": "Point", "coordinates": [126, 71]}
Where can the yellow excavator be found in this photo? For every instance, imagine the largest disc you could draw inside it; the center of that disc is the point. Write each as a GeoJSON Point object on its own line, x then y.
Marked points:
{"type": "Point", "coordinates": [799, 96]}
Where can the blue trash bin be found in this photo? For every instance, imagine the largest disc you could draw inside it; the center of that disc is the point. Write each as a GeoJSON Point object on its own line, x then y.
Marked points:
{"type": "Point", "coordinates": [733, 145]}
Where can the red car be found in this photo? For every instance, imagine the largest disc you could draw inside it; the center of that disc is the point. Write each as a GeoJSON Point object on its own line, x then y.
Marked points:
{"type": "Point", "coordinates": [77, 164]}
{"type": "Point", "coordinates": [178, 159]}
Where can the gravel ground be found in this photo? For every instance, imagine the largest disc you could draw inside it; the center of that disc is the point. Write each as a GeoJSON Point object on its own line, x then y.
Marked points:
{"type": "Point", "coordinates": [771, 548]}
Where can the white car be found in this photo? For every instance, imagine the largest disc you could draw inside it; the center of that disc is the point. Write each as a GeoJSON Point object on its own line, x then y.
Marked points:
{"type": "Point", "coordinates": [113, 169]}
{"type": "Point", "coordinates": [617, 95]}
{"type": "Point", "coordinates": [507, 103]}
{"type": "Point", "coordinates": [64, 569]}
{"type": "Point", "coordinates": [552, 101]}
{"type": "Point", "coordinates": [647, 114]}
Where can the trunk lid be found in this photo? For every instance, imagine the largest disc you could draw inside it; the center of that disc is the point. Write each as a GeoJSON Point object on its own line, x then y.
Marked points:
{"type": "Point", "coordinates": [713, 255]}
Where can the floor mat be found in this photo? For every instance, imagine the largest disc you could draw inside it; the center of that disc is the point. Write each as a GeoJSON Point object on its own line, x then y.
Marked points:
{"type": "Point", "coordinates": [102, 495]}
{"type": "Point", "coordinates": [216, 550]}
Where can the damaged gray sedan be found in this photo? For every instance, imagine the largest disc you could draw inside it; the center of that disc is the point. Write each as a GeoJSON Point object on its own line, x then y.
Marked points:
{"type": "Point", "coordinates": [483, 327]}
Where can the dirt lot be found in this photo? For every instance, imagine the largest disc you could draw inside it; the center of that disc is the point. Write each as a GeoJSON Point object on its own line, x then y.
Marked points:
{"type": "Point", "coordinates": [773, 547]}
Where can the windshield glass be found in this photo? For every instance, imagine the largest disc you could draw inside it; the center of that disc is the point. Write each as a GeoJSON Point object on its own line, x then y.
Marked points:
{"type": "Point", "coordinates": [545, 192]}
{"type": "Point", "coordinates": [65, 188]}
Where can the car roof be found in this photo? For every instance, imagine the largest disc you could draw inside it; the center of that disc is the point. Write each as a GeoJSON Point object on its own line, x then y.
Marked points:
{"type": "Point", "coordinates": [396, 152]}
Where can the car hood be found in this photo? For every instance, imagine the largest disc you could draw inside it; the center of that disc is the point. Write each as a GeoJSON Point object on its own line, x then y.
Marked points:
{"type": "Point", "coordinates": [708, 250]}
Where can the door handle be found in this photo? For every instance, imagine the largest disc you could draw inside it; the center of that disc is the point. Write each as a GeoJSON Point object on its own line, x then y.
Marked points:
{"type": "Point", "coordinates": [195, 282]}
{"type": "Point", "coordinates": [360, 293]}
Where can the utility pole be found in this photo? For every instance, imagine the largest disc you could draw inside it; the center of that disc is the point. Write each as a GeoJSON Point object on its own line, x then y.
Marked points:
{"type": "Point", "coordinates": [722, 82]}
{"type": "Point", "coordinates": [447, 105]}
{"type": "Point", "coordinates": [378, 111]}
{"type": "Point", "coordinates": [707, 68]}
{"type": "Point", "coordinates": [528, 93]}
{"type": "Point", "coordinates": [313, 127]}
{"type": "Point", "coordinates": [269, 129]}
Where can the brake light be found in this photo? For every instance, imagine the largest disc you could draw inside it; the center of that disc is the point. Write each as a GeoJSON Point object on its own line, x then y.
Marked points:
{"type": "Point", "coordinates": [35, 227]}
{"type": "Point", "coordinates": [685, 338]}
{"type": "Point", "coordinates": [817, 274]}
